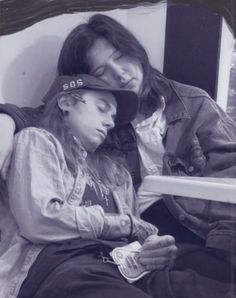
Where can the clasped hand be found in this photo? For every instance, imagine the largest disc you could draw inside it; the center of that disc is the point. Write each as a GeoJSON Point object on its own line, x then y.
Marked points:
{"type": "Point", "coordinates": [158, 252]}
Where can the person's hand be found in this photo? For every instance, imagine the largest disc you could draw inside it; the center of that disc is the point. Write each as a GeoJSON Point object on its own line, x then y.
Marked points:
{"type": "Point", "coordinates": [7, 125]}
{"type": "Point", "coordinates": [158, 252]}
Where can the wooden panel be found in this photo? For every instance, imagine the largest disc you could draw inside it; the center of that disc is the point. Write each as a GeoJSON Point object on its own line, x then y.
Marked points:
{"type": "Point", "coordinates": [16, 14]}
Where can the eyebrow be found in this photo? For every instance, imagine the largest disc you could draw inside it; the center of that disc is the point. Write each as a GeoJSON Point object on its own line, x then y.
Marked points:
{"type": "Point", "coordinates": [108, 105]}
{"type": "Point", "coordinates": [99, 66]}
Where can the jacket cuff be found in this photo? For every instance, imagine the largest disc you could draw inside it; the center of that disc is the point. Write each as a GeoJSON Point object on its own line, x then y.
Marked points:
{"type": "Point", "coordinates": [90, 225]}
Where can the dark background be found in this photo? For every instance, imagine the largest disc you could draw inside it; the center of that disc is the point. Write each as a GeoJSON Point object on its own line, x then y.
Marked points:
{"type": "Point", "coordinates": [192, 46]}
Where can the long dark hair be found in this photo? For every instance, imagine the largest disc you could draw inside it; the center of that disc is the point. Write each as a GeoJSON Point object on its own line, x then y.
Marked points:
{"type": "Point", "coordinates": [73, 57]}
{"type": "Point", "coordinates": [98, 164]}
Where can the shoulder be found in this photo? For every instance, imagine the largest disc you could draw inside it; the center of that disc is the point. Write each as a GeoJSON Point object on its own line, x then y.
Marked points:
{"type": "Point", "coordinates": [194, 98]}
{"type": "Point", "coordinates": [38, 138]}
{"type": "Point", "coordinates": [188, 91]}
{"type": "Point", "coordinates": [35, 132]}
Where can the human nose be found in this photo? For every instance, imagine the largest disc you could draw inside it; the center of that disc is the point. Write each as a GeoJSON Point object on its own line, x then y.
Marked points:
{"type": "Point", "coordinates": [119, 72]}
{"type": "Point", "coordinates": [109, 122]}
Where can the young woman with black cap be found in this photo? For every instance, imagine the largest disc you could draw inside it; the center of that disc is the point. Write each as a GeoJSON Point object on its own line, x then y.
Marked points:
{"type": "Point", "coordinates": [70, 204]}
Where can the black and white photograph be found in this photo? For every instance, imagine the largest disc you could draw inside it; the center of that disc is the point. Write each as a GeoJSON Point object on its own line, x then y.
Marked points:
{"type": "Point", "coordinates": [117, 149]}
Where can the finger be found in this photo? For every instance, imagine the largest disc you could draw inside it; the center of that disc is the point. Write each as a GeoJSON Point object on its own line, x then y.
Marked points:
{"type": "Point", "coordinates": [155, 241]}
{"type": "Point", "coordinates": [172, 251]}
{"type": "Point", "coordinates": [159, 252]}
{"type": "Point", "coordinates": [157, 262]}
{"type": "Point", "coordinates": [155, 267]}
{"type": "Point", "coordinates": [5, 166]}
{"type": "Point", "coordinates": [159, 266]}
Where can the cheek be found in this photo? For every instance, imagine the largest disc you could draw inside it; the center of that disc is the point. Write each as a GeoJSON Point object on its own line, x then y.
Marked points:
{"type": "Point", "coordinates": [139, 69]}
{"type": "Point", "coordinates": [83, 126]}
{"type": "Point", "coordinates": [136, 65]}
{"type": "Point", "coordinates": [75, 122]}
{"type": "Point", "coordinates": [111, 79]}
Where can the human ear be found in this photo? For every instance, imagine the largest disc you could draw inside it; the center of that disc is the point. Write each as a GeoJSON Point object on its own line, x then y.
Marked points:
{"type": "Point", "coordinates": [65, 103]}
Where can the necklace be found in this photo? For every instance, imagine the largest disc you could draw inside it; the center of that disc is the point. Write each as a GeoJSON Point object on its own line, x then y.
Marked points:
{"type": "Point", "coordinates": [99, 187]}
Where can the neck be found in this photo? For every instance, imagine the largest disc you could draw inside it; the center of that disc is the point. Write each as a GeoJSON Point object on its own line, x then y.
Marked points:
{"type": "Point", "coordinates": [145, 111]}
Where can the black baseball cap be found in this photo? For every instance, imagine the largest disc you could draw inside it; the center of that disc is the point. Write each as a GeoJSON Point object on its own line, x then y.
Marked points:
{"type": "Point", "coordinates": [127, 100]}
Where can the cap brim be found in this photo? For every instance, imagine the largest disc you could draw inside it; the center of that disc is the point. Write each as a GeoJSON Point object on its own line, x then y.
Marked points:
{"type": "Point", "coordinates": [127, 106]}
{"type": "Point", "coordinates": [127, 103]}
{"type": "Point", "coordinates": [127, 100]}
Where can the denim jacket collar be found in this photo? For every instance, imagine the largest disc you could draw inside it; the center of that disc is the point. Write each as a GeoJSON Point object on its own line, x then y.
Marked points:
{"type": "Point", "coordinates": [177, 109]}
{"type": "Point", "coordinates": [123, 137]}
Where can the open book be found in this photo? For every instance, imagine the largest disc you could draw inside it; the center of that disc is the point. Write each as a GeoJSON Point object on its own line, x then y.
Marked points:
{"type": "Point", "coordinates": [216, 189]}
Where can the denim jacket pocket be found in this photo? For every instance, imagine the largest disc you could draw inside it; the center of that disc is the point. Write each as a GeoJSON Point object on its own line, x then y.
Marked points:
{"type": "Point", "coordinates": [193, 161]}
{"type": "Point", "coordinates": [173, 165]}
{"type": "Point", "coordinates": [196, 158]}
{"type": "Point", "coordinates": [191, 164]}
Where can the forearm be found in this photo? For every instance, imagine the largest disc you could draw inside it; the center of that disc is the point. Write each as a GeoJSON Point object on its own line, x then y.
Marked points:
{"type": "Point", "coordinates": [38, 193]}
{"type": "Point", "coordinates": [122, 225]}
{"type": "Point", "coordinates": [116, 226]}
{"type": "Point", "coordinates": [7, 123]}
{"type": "Point", "coordinates": [23, 117]}
{"type": "Point", "coordinates": [142, 229]}
{"type": "Point", "coordinates": [59, 222]}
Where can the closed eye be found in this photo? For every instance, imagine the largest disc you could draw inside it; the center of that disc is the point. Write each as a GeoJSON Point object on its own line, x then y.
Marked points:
{"type": "Point", "coordinates": [99, 72]}
{"type": "Point", "coordinates": [102, 109]}
{"type": "Point", "coordinates": [117, 55]}
{"type": "Point", "coordinates": [102, 106]}
{"type": "Point", "coordinates": [106, 108]}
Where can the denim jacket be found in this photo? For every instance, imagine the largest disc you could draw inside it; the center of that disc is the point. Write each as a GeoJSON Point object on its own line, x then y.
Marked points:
{"type": "Point", "coordinates": [44, 206]}
{"type": "Point", "coordinates": [200, 140]}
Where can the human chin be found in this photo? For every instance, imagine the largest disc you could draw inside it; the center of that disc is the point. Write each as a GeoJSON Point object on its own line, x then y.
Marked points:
{"type": "Point", "coordinates": [137, 87]}
{"type": "Point", "coordinates": [92, 144]}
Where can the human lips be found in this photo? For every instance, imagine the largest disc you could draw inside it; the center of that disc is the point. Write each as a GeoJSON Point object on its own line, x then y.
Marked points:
{"type": "Point", "coordinates": [102, 132]}
{"type": "Point", "coordinates": [128, 84]}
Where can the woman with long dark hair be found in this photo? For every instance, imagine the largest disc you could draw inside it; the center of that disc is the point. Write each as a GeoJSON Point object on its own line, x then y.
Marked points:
{"type": "Point", "coordinates": [75, 56]}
